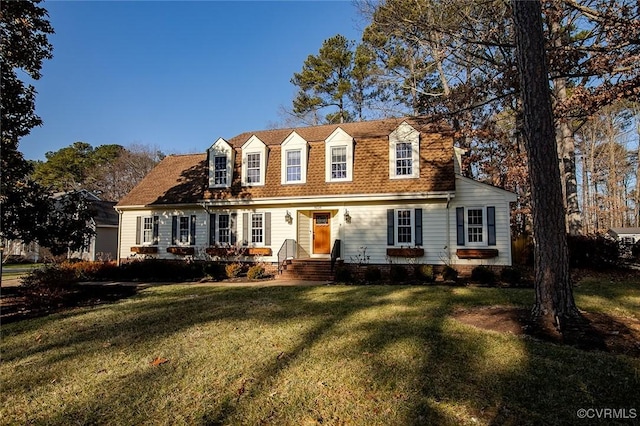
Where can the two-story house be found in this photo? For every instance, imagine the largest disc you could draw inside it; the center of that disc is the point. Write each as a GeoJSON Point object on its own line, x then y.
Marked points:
{"type": "Point", "coordinates": [320, 193]}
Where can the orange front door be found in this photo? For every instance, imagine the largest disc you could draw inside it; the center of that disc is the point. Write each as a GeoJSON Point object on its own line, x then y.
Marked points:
{"type": "Point", "coordinates": [321, 233]}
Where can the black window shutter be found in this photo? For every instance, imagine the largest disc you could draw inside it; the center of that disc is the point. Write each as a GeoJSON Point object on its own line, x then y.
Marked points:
{"type": "Point", "coordinates": [192, 230]}
{"type": "Point", "coordinates": [138, 229]}
{"type": "Point", "coordinates": [156, 231]}
{"type": "Point", "coordinates": [460, 225]}
{"type": "Point", "coordinates": [233, 226]}
{"type": "Point", "coordinates": [391, 240]}
{"type": "Point", "coordinates": [491, 225]}
{"type": "Point", "coordinates": [418, 228]}
{"type": "Point", "coordinates": [245, 229]}
{"type": "Point", "coordinates": [267, 229]}
{"type": "Point", "coordinates": [174, 230]}
{"type": "Point", "coordinates": [212, 229]}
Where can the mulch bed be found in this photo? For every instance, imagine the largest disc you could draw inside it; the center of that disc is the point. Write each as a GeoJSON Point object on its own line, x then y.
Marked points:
{"type": "Point", "coordinates": [618, 335]}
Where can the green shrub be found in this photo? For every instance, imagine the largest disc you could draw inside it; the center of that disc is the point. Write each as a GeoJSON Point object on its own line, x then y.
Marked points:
{"type": "Point", "coordinates": [424, 273]}
{"type": "Point", "coordinates": [372, 274]}
{"type": "Point", "coordinates": [233, 269]}
{"type": "Point", "coordinates": [256, 272]}
{"type": "Point", "coordinates": [343, 274]}
{"type": "Point", "coordinates": [449, 273]}
{"type": "Point", "coordinates": [397, 273]}
{"type": "Point", "coordinates": [483, 275]}
{"type": "Point", "coordinates": [160, 270]}
{"type": "Point", "coordinates": [52, 277]}
{"type": "Point", "coordinates": [511, 275]}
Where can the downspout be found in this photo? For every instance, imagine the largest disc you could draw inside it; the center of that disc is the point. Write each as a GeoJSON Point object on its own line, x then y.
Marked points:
{"type": "Point", "coordinates": [119, 235]}
{"type": "Point", "coordinates": [448, 250]}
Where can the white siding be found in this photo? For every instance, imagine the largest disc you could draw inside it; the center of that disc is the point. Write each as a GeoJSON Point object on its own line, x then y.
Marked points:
{"type": "Point", "coordinates": [367, 227]}
{"type": "Point", "coordinates": [475, 194]}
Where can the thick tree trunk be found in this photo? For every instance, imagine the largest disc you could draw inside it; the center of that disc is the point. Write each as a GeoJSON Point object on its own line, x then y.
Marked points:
{"type": "Point", "coordinates": [554, 303]}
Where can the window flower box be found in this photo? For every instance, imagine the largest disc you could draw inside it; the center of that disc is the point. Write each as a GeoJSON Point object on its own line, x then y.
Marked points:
{"type": "Point", "coordinates": [477, 253]}
{"type": "Point", "coordinates": [259, 251]}
{"type": "Point", "coordinates": [405, 252]}
{"type": "Point", "coordinates": [225, 251]}
{"type": "Point", "coordinates": [144, 249]}
{"type": "Point", "coordinates": [181, 251]}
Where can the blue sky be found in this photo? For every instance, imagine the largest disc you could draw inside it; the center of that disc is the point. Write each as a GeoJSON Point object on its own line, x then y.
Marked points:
{"type": "Point", "coordinates": [176, 75]}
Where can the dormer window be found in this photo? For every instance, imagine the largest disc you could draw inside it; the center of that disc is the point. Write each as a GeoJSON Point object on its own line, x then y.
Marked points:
{"type": "Point", "coordinates": [253, 168]}
{"type": "Point", "coordinates": [293, 164]}
{"type": "Point", "coordinates": [221, 157]}
{"type": "Point", "coordinates": [220, 175]}
{"type": "Point", "coordinates": [339, 157]}
{"type": "Point", "coordinates": [254, 162]}
{"type": "Point", "coordinates": [404, 152]}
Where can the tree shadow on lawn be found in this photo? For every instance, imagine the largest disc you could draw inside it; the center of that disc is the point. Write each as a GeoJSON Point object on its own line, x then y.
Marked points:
{"type": "Point", "coordinates": [440, 371]}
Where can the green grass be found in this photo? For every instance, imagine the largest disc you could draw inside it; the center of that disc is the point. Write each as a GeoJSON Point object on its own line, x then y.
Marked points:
{"type": "Point", "coordinates": [16, 270]}
{"type": "Point", "coordinates": [373, 355]}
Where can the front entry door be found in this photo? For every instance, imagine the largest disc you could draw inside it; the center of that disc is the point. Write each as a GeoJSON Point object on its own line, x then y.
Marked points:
{"type": "Point", "coordinates": [321, 233]}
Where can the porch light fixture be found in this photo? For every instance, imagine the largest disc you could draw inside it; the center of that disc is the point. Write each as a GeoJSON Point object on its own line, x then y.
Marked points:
{"type": "Point", "coordinates": [347, 216]}
{"type": "Point", "coordinates": [288, 218]}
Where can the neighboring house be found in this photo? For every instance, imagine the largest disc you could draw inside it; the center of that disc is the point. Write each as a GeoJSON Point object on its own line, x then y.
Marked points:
{"type": "Point", "coordinates": [102, 246]}
{"type": "Point", "coordinates": [391, 187]}
{"type": "Point", "coordinates": [627, 236]}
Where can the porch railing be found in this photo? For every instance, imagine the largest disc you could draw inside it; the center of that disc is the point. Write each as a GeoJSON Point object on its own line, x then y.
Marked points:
{"type": "Point", "coordinates": [288, 250]}
{"type": "Point", "coordinates": [335, 252]}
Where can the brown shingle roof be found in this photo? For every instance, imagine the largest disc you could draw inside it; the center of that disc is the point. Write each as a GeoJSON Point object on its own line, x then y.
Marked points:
{"type": "Point", "coordinates": [184, 178]}
{"type": "Point", "coordinates": [176, 179]}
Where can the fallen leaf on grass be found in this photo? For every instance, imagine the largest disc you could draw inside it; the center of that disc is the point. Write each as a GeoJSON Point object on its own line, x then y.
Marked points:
{"type": "Point", "coordinates": [159, 361]}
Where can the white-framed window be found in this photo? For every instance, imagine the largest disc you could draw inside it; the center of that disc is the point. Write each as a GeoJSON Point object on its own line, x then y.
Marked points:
{"type": "Point", "coordinates": [254, 162]}
{"type": "Point", "coordinates": [147, 230]}
{"type": "Point", "coordinates": [294, 165]}
{"type": "Point", "coordinates": [224, 229]}
{"type": "Point", "coordinates": [339, 162]}
{"type": "Point", "coordinates": [404, 152]}
{"type": "Point", "coordinates": [257, 228]}
{"type": "Point", "coordinates": [220, 170]}
{"type": "Point", "coordinates": [475, 225]}
{"type": "Point", "coordinates": [339, 157]}
{"type": "Point", "coordinates": [221, 158]}
{"type": "Point", "coordinates": [183, 230]}
{"type": "Point", "coordinates": [404, 227]}
{"type": "Point", "coordinates": [253, 168]}
{"type": "Point", "coordinates": [404, 159]}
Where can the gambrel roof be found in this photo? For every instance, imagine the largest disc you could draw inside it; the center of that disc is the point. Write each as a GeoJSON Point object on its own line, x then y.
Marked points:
{"type": "Point", "coordinates": [183, 179]}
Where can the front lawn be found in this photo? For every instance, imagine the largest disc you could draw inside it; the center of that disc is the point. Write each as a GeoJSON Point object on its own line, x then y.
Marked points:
{"type": "Point", "coordinates": [386, 355]}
